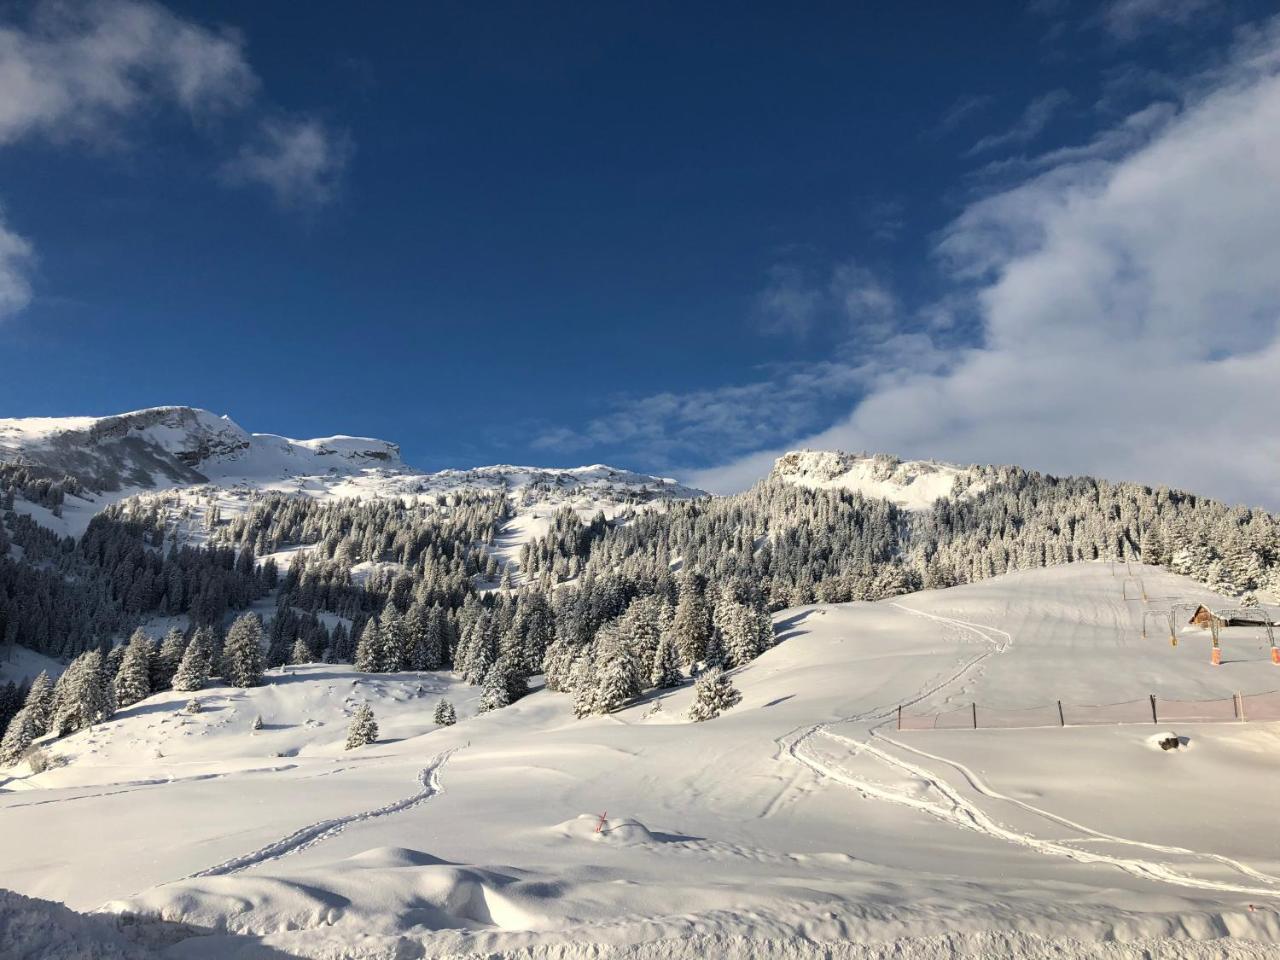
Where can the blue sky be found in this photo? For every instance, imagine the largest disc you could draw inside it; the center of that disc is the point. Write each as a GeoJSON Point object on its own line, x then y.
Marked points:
{"type": "Point", "coordinates": [672, 239]}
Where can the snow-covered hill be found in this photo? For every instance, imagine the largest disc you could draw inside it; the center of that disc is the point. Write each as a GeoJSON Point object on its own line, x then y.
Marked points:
{"type": "Point", "coordinates": [800, 823]}
{"type": "Point", "coordinates": [912, 484]}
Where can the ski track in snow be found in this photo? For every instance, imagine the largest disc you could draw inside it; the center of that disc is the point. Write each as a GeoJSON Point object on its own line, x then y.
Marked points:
{"type": "Point", "coordinates": [952, 807]}
{"type": "Point", "coordinates": [1092, 835]}
{"type": "Point", "coordinates": [315, 833]}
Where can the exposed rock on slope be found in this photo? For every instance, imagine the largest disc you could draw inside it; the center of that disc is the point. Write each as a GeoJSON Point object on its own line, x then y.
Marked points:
{"type": "Point", "coordinates": [912, 484]}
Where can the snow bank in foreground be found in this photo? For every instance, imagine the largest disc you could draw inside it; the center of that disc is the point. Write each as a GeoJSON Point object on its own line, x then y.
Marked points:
{"type": "Point", "coordinates": [33, 929]}
{"type": "Point", "coordinates": [976, 946]}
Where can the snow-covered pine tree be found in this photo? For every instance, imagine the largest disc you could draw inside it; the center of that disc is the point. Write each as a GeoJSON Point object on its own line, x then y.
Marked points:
{"type": "Point", "coordinates": [391, 656]}
{"type": "Point", "coordinates": [617, 671]}
{"type": "Point", "coordinates": [692, 624]}
{"type": "Point", "coordinates": [369, 648]}
{"type": "Point", "coordinates": [194, 667]}
{"type": "Point", "coordinates": [300, 653]}
{"type": "Point", "coordinates": [713, 693]}
{"type": "Point", "coordinates": [193, 706]}
{"type": "Point", "coordinates": [39, 701]}
{"type": "Point", "coordinates": [445, 715]}
{"type": "Point", "coordinates": [713, 655]}
{"type": "Point", "coordinates": [738, 631]}
{"type": "Point", "coordinates": [82, 695]}
{"type": "Point", "coordinates": [581, 682]}
{"type": "Point", "coordinates": [133, 680]}
{"type": "Point", "coordinates": [641, 627]}
{"type": "Point", "coordinates": [496, 695]}
{"type": "Point", "coordinates": [665, 672]}
{"type": "Point", "coordinates": [18, 736]}
{"type": "Point", "coordinates": [257, 722]}
{"type": "Point", "coordinates": [165, 663]}
{"type": "Point", "coordinates": [363, 729]}
{"type": "Point", "coordinates": [111, 662]}
{"type": "Point", "coordinates": [242, 653]}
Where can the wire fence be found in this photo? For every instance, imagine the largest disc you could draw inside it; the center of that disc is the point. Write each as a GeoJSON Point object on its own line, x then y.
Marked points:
{"type": "Point", "coordinates": [1238, 708]}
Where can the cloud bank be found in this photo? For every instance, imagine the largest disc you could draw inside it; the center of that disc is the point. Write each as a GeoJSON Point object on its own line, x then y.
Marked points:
{"type": "Point", "coordinates": [1129, 304]}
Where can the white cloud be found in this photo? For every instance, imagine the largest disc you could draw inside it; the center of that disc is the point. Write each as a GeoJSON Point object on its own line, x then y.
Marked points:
{"type": "Point", "coordinates": [1035, 118]}
{"type": "Point", "coordinates": [844, 298]}
{"type": "Point", "coordinates": [300, 160]}
{"type": "Point", "coordinates": [16, 258]}
{"type": "Point", "coordinates": [1130, 311]}
{"type": "Point", "coordinates": [664, 428]}
{"type": "Point", "coordinates": [791, 302]}
{"type": "Point", "coordinates": [80, 70]}
{"type": "Point", "coordinates": [76, 69]}
{"type": "Point", "coordinates": [1126, 19]}
{"type": "Point", "coordinates": [961, 111]}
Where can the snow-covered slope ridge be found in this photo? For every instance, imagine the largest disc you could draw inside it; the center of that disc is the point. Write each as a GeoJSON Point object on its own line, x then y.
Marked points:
{"type": "Point", "coordinates": [166, 446]}
{"type": "Point", "coordinates": [912, 484]}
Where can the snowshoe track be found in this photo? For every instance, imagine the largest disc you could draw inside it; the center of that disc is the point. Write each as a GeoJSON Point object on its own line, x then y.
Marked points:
{"type": "Point", "coordinates": [315, 833]}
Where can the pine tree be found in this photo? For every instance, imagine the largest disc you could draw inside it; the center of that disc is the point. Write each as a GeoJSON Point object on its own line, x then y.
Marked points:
{"type": "Point", "coordinates": [18, 736]}
{"type": "Point", "coordinates": [363, 729]}
{"type": "Point", "coordinates": [39, 702]}
{"type": "Point", "coordinates": [82, 695]}
{"type": "Point", "coordinates": [394, 635]}
{"type": "Point", "coordinates": [300, 653]}
{"type": "Point", "coordinates": [617, 672]}
{"type": "Point", "coordinates": [194, 668]}
{"type": "Point", "coordinates": [445, 715]}
{"type": "Point", "coordinates": [666, 665]}
{"type": "Point", "coordinates": [193, 706]}
{"type": "Point", "coordinates": [369, 648]}
{"type": "Point", "coordinates": [496, 695]}
{"type": "Point", "coordinates": [165, 663]}
{"type": "Point", "coordinates": [713, 693]}
{"type": "Point", "coordinates": [243, 651]}
{"type": "Point", "coordinates": [133, 680]}
{"type": "Point", "coordinates": [692, 624]}
{"type": "Point", "coordinates": [257, 722]}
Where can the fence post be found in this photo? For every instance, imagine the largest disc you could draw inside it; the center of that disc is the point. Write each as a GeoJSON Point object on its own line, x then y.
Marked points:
{"type": "Point", "coordinates": [1239, 699]}
{"type": "Point", "coordinates": [899, 716]}
{"type": "Point", "coordinates": [1062, 722]}
{"type": "Point", "coordinates": [1154, 718]}
{"type": "Point", "coordinates": [975, 716]}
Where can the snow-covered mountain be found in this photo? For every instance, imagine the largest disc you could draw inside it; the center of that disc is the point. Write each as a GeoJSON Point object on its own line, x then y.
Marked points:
{"type": "Point", "coordinates": [165, 447]}
{"type": "Point", "coordinates": [190, 453]}
{"type": "Point", "coordinates": [169, 446]}
{"type": "Point", "coordinates": [912, 484]}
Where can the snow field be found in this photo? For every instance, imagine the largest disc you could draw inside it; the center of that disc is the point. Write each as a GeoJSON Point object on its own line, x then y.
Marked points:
{"type": "Point", "coordinates": [801, 813]}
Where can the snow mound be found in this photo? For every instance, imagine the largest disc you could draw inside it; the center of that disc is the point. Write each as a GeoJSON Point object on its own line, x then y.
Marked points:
{"type": "Point", "coordinates": [623, 831]}
{"type": "Point", "coordinates": [382, 890]}
{"type": "Point", "coordinates": [32, 929]}
{"type": "Point", "coordinates": [911, 484]}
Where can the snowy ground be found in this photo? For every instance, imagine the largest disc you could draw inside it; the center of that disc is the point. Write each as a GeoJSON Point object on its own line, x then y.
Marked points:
{"type": "Point", "coordinates": [802, 815]}
{"type": "Point", "coordinates": [18, 664]}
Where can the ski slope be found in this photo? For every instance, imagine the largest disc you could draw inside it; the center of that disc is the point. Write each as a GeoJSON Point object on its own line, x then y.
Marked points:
{"type": "Point", "coordinates": [801, 815]}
